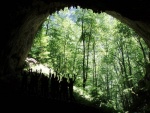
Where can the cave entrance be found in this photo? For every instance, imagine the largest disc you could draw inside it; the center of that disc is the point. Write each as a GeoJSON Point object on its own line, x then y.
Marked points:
{"type": "Point", "coordinates": [106, 56]}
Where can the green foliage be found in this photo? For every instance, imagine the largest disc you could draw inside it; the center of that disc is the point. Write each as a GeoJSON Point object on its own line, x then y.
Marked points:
{"type": "Point", "coordinates": [114, 55]}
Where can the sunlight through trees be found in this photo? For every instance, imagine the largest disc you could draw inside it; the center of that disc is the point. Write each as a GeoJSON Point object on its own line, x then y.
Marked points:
{"type": "Point", "coordinates": [107, 57]}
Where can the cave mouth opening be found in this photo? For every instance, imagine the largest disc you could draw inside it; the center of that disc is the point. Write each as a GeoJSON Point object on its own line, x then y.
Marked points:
{"type": "Point", "coordinates": [111, 51]}
{"type": "Point", "coordinates": [19, 37]}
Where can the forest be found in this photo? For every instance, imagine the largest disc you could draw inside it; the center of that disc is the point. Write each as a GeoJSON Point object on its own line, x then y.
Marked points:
{"type": "Point", "coordinates": [105, 57]}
